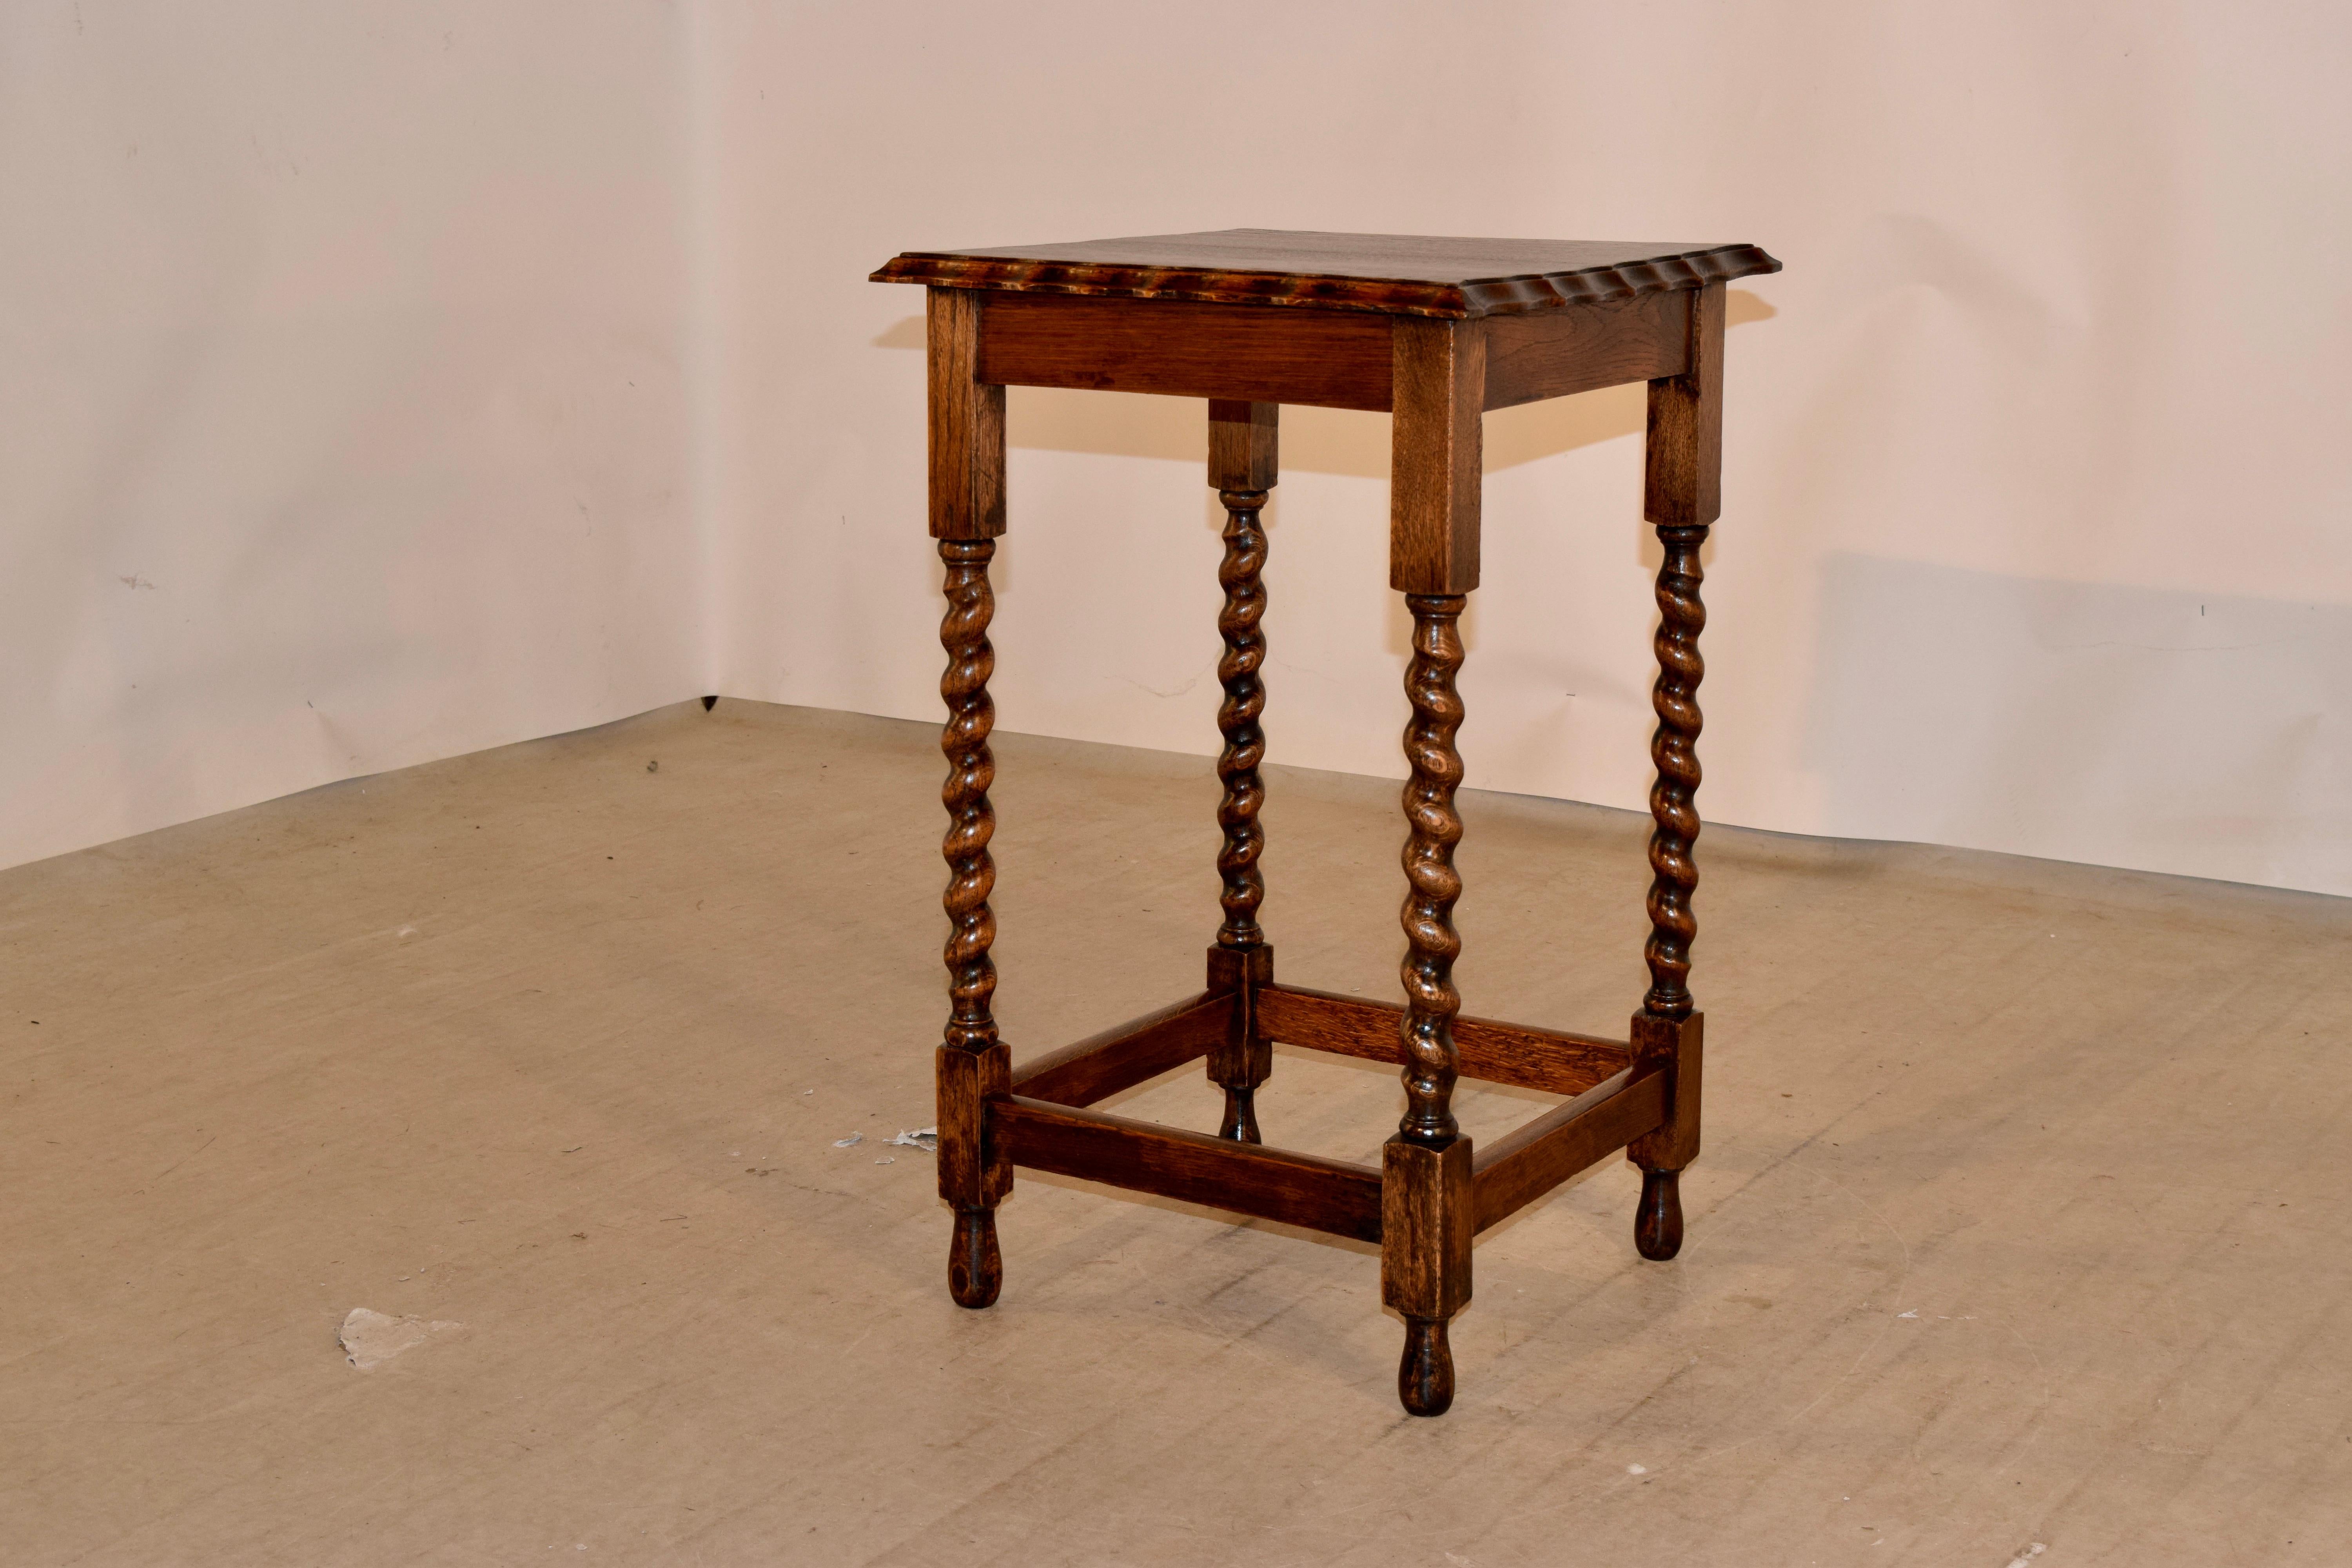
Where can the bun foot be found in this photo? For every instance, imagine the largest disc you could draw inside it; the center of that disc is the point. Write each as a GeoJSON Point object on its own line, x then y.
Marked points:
{"type": "Point", "coordinates": [975, 1269]}
{"type": "Point", "coordinates": [1241, 1116]}
{"type": "Point", "coordinates": [1658, 1221]}
{"type": "Point", "coordinates": [1425, 1376]}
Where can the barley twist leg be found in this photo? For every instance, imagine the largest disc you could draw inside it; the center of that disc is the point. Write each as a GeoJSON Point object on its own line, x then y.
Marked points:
{"type": "Point", "coordinates": [1240, 940]}
{"type": "Point", "coordinates": [1667, 1009]}
{"type": "Point", "coordinates": [971, 1059]}
{"type": "Point", "coordinates": [1674, 749]}
{"type": "Point", "coordinates": [1434, 885]}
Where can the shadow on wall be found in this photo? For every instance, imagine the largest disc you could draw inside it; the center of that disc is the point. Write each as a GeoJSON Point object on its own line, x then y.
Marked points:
{"type": "Point", "coordinates": [1314, 440]}
{"type": "Point", "coordinates": [2169, 731]}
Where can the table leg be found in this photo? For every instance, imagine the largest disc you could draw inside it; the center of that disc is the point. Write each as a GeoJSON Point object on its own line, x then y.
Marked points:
{"type": "Point", "coordinates": [1427, 1215]}
{"type": "Point", "coordinates": [1242, 465]}
{"type": "Point", "coordinates": [972, 1062]}
{"type": "Point", "coordinates": [1683, 497]}
{"type": "Point", "coordinates": [1427, 1220]}
{"type": "Point", "coordinates": [967, 513]}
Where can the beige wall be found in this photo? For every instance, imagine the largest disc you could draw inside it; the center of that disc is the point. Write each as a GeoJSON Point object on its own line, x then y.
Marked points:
{"type": "Point", "coordinates": [2037, 472]}
{"type": "Point", "coordinates": [343, 415]}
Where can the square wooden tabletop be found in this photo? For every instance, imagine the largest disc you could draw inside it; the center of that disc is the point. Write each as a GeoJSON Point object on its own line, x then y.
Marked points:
{"type": "Point", "coordinates": [1418, 274]}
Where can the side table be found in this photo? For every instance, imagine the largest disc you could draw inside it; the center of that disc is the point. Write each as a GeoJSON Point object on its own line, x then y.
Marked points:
{"type": "Point", "coordinates": [1435, 332]}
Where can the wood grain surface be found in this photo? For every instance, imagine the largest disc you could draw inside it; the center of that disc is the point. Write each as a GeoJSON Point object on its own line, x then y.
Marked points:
{"type": "Point", "coordinates": [1333, 359]}
{"type": "Point", "coordinates": [972, 768]}
{"type": "Point", "coordinates": [1681, 482]}
{"type": "Point", "coordinates": [1329, 1195]}
{"type": "Point", "coordinates": [967, 423]}
{"type": "Point", "coordinates": [1428, 1220]}
{"type": "Point", "coordinates": [1245, 445]}
{"type": "Point", "coordinates": [1413, 275]}
{"type": "Point", "coordinates": [1134, 1052]}
{"type": "Point", "coordinates": [1246, 1059]}
{"type": "Point", "coordinates": [1584, 347]}
{"type": "Point", "coordinates": [1523, 1165]}
{"type": "Point", "coordinates": [1432, 827]}
{"type": "Point", "coordinates": [1678, 1046]}
{"type": "Point", "coordinates": [1673, 794]}
{"type": "Point", "coordinates": [1546, 1059]}
{"type": "Point", "coordinates": [1435, 442]}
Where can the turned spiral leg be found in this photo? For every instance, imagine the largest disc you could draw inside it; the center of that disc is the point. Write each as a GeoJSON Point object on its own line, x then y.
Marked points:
{"type": "Point", "coordinates": [1432, 884]}
{"type": "Point", "coordinates": [1667, 1026]}
{"type": "Point", "coordinates": [1427, 1216]}
{"type": "Point", "coordinates": [1683, 483]}
{"type": "Point", "coordinates": [1241, 575]}
{"type": "Point", "coordinates": [1242, 466]}
{"type": "Point", "coordinates": [967, 513]}
{"type": "Point", "coordinates": [1673, 798]}
{"type": "Point", "coordinates": [972, 768]}
{"type": "Point", "coordinates": [1426, 1210]}
{"type": "Point", "coordinates": [972, 1062]}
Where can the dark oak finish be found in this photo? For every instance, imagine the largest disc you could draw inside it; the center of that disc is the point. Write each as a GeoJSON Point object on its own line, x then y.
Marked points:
{"type": "Point", "coordinates": [972, 1062]}
{"type": "Point", "coordinates": [967, 424]}
{"type": "Point", "coordinates": [1136, 1052]}
{"type": "Point", "coordinates": [1304, 1190]}
{"type": "Point", "coordinates": [1245, 445]}
{"type": "Point", "coordinates": [1585, 347]}
{"type": "Point", "coordinates": [1434, 443]}
{"type": "Point", "coordinates": [1673, 749]}
{"type": "Point", "coordinates": [1682, 495]}
{"type": "Point", "coordinates": [1243, 1058]}
{"type": "Point", "coordinates": [1434, 828]}
{"type": "Point", "coordinates": [1325, 358]}
{"type": "Point", "coordinates": [1682, 483]}
{"type": "Point", "coordinates": [1436, 331]}
{"type": "Point", "coordinates": [1522, 1166]}
{"type": "Point", "coordinates": [1549, 1060]}
{"type": "Point", "coordinates": [972, 768]}
{"type": "Point", "coordinates": [1428, 1219]}
{"type": "Point", "coordinates": [1334, 359]}
{"type": "Point", "coordinates": [1428, 1215]}
{"type": "Point", "coordinates": [1677, 1047]}
{"type": "Point", "coordinates": [1416, 274]}
{"type": "Point", "coordinates": [974, 1175]}
{"type": "Point", "coordinates": [1545, 1059]}
{"type": "Point", "coordinates": [1242, 466]}
{"type": "Point", "coordinates": [1658, 1215]}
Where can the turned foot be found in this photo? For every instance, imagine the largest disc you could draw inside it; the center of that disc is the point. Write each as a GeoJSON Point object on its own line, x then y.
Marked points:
{"type": "Point", "coordinates": [975, 1269]}
{"type": "Point", "coordinates": [1658, 1221]}
{"type": "Point", "coordinates": [1241, 1116]}
{"type": "Point", "coordinates": [1425, 1374]}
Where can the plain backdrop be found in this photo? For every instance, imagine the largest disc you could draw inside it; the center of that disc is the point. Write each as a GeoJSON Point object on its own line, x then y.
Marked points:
{"type": "Point", "coordinates": [380, 381]}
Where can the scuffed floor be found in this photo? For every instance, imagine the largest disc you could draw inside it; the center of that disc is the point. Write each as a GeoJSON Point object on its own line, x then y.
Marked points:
{"type": "Point", "coordinates": [2022, 1221]}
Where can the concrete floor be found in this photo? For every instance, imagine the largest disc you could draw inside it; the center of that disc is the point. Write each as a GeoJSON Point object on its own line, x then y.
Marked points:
{"type": "Point", "coordinates": [2022, 1220]}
